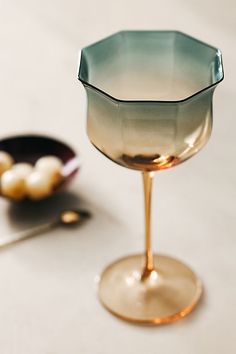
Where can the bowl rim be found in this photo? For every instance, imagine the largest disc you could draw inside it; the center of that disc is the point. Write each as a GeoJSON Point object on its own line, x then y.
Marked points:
{"type": "Point", "coordinates": [206, 88]}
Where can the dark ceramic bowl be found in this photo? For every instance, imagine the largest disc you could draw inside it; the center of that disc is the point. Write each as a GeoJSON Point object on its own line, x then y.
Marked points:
{"type": "Point", "coordinates": [29, 148]}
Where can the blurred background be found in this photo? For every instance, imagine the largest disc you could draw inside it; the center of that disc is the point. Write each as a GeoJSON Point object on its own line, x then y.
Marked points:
{"type": "Point", "coordinates": [47, 306]}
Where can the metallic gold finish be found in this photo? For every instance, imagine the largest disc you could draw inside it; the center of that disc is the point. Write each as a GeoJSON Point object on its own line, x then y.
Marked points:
{"type": "Point", "coordinates": [148, 163]}
{"type": "Point", "coordinates": [166, 295]}
{"type": "Point", "coordinates": [147, 183]}
{"type": "Point", "coordinates": [70, 217]}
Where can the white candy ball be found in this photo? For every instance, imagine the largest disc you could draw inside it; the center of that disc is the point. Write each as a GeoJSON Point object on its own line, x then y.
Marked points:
{"type": "Point", "coordinates": [38, 185]}
{"type": "Point", "coordinates": [23, 169]}
{"type": "Point", "coordinates": [12, 185]}
{"type": "Point", "coordinates": [6, 161]}
{"type": "Point", "coordinates": [52, 166]}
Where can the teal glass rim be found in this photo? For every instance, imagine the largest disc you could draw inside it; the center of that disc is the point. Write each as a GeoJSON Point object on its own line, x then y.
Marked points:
{"type": "Point", "coordinates": [86, 83]}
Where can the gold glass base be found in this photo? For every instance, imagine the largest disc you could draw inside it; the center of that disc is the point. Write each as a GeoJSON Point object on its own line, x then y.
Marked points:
{"type": "Point", "coordinates": [167, 294]}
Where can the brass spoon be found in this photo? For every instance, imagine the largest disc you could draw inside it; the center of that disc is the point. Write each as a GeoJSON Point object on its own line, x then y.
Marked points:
{"type": "Point", "coordinates": [67, 218]}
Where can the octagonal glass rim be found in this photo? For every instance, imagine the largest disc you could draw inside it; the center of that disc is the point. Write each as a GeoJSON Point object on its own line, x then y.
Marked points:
{"type": "Point", "coordinates": [118, 100]}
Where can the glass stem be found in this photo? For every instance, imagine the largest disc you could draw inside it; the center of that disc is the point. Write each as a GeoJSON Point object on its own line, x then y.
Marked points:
{"type": "Point", "coordinates": [147, 184]}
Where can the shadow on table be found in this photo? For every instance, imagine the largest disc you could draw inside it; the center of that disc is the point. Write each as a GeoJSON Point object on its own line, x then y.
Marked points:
{"type": "Point", "coordinates": [28, 213]}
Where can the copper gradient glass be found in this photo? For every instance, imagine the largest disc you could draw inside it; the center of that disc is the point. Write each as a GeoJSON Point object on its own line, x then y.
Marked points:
{"type": "Point", "coordinates": [149, 108]}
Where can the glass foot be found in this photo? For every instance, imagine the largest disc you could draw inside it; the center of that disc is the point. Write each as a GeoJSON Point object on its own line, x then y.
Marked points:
{"type": "Point", "coordinates": [165, 295]}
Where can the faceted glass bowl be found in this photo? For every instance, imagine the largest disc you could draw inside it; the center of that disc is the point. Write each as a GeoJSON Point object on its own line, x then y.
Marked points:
{"type": "Point", "coordinates": [149, 108]}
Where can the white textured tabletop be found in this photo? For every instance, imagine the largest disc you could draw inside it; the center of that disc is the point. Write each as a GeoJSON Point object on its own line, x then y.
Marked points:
{"type": "Point", "coordinates": [48, 302]}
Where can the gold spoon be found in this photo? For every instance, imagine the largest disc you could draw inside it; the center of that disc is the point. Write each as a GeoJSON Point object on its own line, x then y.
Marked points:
{"type": "Point", "coordinates": [67, 218]}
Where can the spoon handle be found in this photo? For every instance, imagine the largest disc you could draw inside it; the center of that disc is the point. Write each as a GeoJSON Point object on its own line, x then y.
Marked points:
{"type": "Point", "coordinates": [23, 235]}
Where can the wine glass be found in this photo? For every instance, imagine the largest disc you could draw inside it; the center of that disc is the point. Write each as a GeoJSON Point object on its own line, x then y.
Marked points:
{"type": "Point", "coordinates": [149, 109]}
